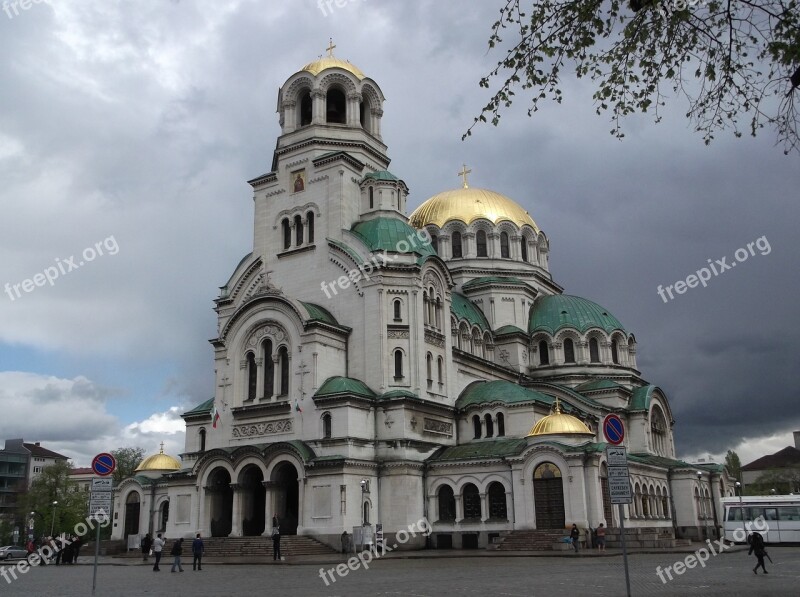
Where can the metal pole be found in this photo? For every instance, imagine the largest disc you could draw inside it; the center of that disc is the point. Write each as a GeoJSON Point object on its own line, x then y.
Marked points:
{"type": "Point", "coordinates": [624, 549]}
{"type": "Point", "coordinates": [96, 556]}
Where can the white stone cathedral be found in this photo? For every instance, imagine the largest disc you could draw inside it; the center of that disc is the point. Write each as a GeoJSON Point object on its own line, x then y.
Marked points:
{"type": "Point", "coordinates": [373, 367]}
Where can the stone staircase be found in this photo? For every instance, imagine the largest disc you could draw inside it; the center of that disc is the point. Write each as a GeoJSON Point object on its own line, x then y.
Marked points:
{"type": "Point", "coordinates": [291, 545]}
{"type": "Point", "coordinates": [531, 540]}
{"type": "Point", "coordinates": [551, 540]}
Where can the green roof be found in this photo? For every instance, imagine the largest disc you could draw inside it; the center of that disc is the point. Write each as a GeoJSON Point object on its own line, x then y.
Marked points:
{"type": "Point", "coordinates": [200, 409]}
{"type": "Point", "coordinates": [380, 175]}
{"type": "Point", "coordinates": [598, 384]}
{"type": "Point", "coordinates": [347, 249]}
{"type": "Point", "coordinates": [486, 392]}
{"type": "Point", "coordinates": [317, 313]}
{"type": "Point", "coordinates": [479, 450]}
{"type": "Point", "coordinates": [661, 461]}
{"type": "Point", "coordinates": [463, 308]}
{"type": "Point", "coordinates": [641, 398]}
{"type": "Point", "coordinates": [301, 448]}
{"type": "Point", "coordinates": [509, 329]}
{"type": "Point", "coordinates": [551, 313]}
{"type": "Point", "coordinates": [572, 394]}
{"type": "Point", "coordinates": [398, 394]}
{"type": "Point", "coordinates": [392, 234]}
{"type": "Point", "coordinates": [493, 280]}
{"type": "Point", "coordinates": [344, 385]}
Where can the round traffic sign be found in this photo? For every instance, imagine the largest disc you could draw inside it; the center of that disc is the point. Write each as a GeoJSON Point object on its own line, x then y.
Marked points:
{"type": "Point", "coordinates": [613, 429]}
{"type": "Point", "coordinates": [104, 464]}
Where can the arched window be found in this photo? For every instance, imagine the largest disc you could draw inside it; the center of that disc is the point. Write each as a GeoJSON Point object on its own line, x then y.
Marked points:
{"type": "Point", "coordinates": [480, 241]}
{"type": "Point", "coordinates": [501, 425]}
{"type": "Point", "coordinates": [476, 426]}
{"type": "Point", "coordinates": [366, 513]}
{"type": "Point", "coordinates": [287, 233]}
{"type": "Point", "coordinates": [363, 113]}
{"type": "Point", "coordinates": [440, 370]}
{"type": "Point", "coordinates": [429, 369]}
{"type": "Point", "coordinates": [435, 243]}
{"type": "Point", "coordinates": [252, 376]}
{"type": "Point", "coordinates": [658, 431]}
{"type": "Point", "coordinates": [398, 364]}
{"type": "Point", "coordinates": [269, 369]}
{"type": "Point", "coordinates": [457, 252]}
{"type": "Point", "coordinates": [497, 501]}
{"type": "Point", "coordinates": [614, 352]}
{"type": "Point", "coordinates": [371, 198]}
{"type": "Point", "coordinates": [523, 244]}
{"type": "Point", "coordinates": [283, 358]}
{"type": "Point", "coordinates": [504, 250]}
{"type": "Point", "coordinates": [472, 502]}
{"type": "Point", "coordinates": [398, 304]}
{"type": "Point", "coordinates": [594, 350]}
{"type": "Point", "coordinates": [489, 426]}
{"type": "Point", "coordinates": [310, 221]}
{"type": "Point", "coordinates": [202, 435]}
{"type": "Point", "coordinates": [298, 231]}
{"type": "Point", "coordinates": [399, 199]}
{"type": "Point", "coordinates": [569, 351]}
{"type": "Point", "coordinates": [306, 110]}
{"type": "Point", "coordinates": [544, 353]}
{"type": "Point", "coordinates": [336, 107]}
{"type": "Point", "coordinates": [326, 426]}
{"type": "Point", "coordinates": [447, 504]}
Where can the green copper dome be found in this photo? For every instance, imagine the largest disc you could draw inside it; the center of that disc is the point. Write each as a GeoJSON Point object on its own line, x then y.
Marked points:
{"type": "Point", "coordinates": [552, 313]}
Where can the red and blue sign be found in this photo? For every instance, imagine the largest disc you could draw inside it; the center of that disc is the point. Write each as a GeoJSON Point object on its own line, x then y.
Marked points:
{"type": "Point", "coordinates": [613, 429]}
{"type": "Point", "coordinates": [104, 464]}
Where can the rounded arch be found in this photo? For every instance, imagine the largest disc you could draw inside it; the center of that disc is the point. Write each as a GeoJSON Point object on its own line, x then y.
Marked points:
{"type": "Point", "coordinates": [496, 498]}
{"type": "Point", "coordinates": [344, 81]}
{"type": "Point", "coordinates": [301, 83]}
{"type": "Point", "coordinates": [446, 502]}
{"type": "Point", "coordinates": [326, 425]}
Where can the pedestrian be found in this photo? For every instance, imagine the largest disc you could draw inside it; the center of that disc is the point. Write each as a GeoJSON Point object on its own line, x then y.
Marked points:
{"type": "Point", "coordinates": [345, 542]}
{"type": "Point", "coordinates": [575, 535]}
{"type": "Point", "coordinates": [757, 546]}
{"type": "Point", "coordinates": [197, 553]}
{"type": "Point", "coordinates": [145, 545]}
{"type": "Point", "coordinates": [600, 537]}
{"type": "Point", "coordinates": [158, 545]}
{"type": "Point", "coordinates": [276, 538]}
{"type": "Point", "coordinates": [59, 551]}
{"type": "Point", "coordinates": [76, 548]}
{"type": "Point", "coordinates": [177, 551]}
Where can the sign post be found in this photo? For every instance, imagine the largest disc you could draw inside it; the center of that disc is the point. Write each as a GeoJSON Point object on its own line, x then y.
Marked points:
{"type": "Point", "coordinates": [103, 465]}
{"type": "Point", "coordinates": [619, 481]}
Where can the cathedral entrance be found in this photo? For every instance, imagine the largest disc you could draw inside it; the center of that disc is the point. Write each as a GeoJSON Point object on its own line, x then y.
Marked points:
{"type": "Point", "coordinates": [287, 495]}
{"type": "Point", "coordinates": [220, 497]}
{"type": "Point", "coordinates": [132, 513]}
{"type": "Point", "coordinates": [548, 496]}
{"type": "Point", "coordinates": [254, 501]}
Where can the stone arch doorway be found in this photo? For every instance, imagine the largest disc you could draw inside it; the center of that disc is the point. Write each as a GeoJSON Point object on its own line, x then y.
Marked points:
{"type": "Point", "coordinates": [548, 496]}
{"type": "Point", "coordinates": [163, 516]}
{"type": "Point", "coordinates": [220, 496]}
{"type": "Point", "coordinates": [286, 497]}
{"type": "Point", "coordinates": [132, 513]}
{"type": "Point", "coordinates": [254, 501]}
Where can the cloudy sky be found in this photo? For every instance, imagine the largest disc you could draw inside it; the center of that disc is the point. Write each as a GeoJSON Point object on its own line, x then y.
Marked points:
{"type": "Point", "coordinates": [128, 130]}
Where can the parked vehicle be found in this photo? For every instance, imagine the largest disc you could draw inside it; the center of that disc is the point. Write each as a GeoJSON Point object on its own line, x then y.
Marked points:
{"type": "Point", "coordinates": [13, 552]}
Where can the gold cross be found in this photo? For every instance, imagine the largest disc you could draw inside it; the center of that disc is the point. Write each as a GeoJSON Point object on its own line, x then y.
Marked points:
{"type": "Point", "coordinates": [162, 447]}
{"type": "Point", "coordinates": [330, 48]}
{"type": "Point", "coordinates": [463, 174]}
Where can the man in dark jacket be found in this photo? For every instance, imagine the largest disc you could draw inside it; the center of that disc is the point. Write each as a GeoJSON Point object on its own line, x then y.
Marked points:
{"type": "Point", "coordinates": [197, 553]}
{"type": "Point", "coordinates": [146, 544]}
{"type": "Point", "coordinates": [575, 535]}
{"type": "Point", "coordinates": [177, 551]}
{"type": "Point", "coordinates": [757, 546]}
{"type": "Point", "coordinates": [276, 538]}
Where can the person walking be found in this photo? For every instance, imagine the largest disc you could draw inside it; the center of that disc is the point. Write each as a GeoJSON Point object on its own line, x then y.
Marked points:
{"type": "Point", "coordinates": [757, 546]}
{"type": "Point", "coordinates": [601, 537]}
{"type": "Point", "coordinates": [146, 544]}
{"type": "Point", "coordinates": [176, 552]}
{"type": "Point", "coordinates": [198, 548]}
{"type": "Point", "coordinates": [158, 545]}
{"type": "Point", "coordinates": [575, 535]}
{"type": "Point", "coordinates": [276, 538]}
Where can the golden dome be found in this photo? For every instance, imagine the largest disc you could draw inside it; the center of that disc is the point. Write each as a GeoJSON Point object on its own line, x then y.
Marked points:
{"type": "Point", "coordinates": [559, 423]}
{"type": "Point", "coordinates": [327, 62]}
{"type": "Point", "coordinates": [159, 462]}
{"type": "Point", "coordinates": [468, 204]}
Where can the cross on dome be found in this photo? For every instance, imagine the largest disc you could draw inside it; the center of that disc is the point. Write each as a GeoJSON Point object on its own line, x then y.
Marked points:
{"type": "Point", "coordinates": [330, 48]}
{"type": "Point", "coordinates": [464, 172]}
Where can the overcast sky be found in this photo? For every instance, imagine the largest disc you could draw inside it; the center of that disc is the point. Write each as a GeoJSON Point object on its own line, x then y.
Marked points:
{"type": "Point", "coordinates": [128, 130]}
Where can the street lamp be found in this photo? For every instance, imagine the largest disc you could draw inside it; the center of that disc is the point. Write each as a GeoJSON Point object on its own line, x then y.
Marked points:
{"type": "Point", "coordinates": [53, 523]}
{"type": "Point", "coordinates": [772, 491]}
{"type": "Point", "coordinates": [30, 525]}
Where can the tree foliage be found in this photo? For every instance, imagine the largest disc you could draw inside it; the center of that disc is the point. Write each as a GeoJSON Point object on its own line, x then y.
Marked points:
{"type": "Point", "coordinates": [54, 485]}
{"type": "Point", "coordinates": [127, 461]}
{"type": "Point", "coordinates": [736, 62]}
{"type": "Point", "coordinates": [733, 464]}
{"type": "Point", "coordinates": [783, 480]}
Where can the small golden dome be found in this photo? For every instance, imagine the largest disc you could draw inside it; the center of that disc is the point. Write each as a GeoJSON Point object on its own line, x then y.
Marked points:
{"type": "Point", "coordinates": [159, 462]}
{"type": "Point", "coordinates": [559, 423]}
{"type": "Point", "coordinates": [327, 62]}
{"type": "Point", "coordinates": [468, 204]}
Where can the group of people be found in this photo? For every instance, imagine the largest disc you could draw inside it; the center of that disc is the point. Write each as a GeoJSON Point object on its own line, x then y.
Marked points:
{"type": "Point", "coordinates": [598, 537]}
{"type": "Point", "coordinates": [66, 548]}
{"type": "Point", "coordinates": [155, 547]}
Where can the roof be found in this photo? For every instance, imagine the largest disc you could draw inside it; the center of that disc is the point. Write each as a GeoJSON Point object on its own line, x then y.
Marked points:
{"type": "Point", "coordinates": [485, 449]}
{"type": "Point", "coordinates": [463, 308]}
{"type": "Point", "coordinates": [559, 423]}
{"type": "Point", "coordinates": [344, 385]}
{"type": "Point", "coordinates": [787, 457]}
{"type": "Point", "coordinates": [598, 384]}
{"type": "Point", "coordinates": [554, 312]}
{"type": "Point", "coordinates": [327, 62]}
{"type": "Point", "coordinates": [201, 409]}
{"type": "Point", "coordinates": [509, 329]}
{"type": "Point", "coordinates": [159, 462]}
{"type": "Point", "coordinates": [351, 252]}
{"type": "Point", "coordinates": [487, 280]}
{"type": "Point", "coordinates": [387, 234]}
{"type": "Point", "coordinates": [487, 392]}
{"type": "Point", "coordinates": [82, 471]}
{"type": "Point", "coordinates": [317, 313]}
{"type": "Point", "coordinates": [468, 205]}
{"type": "Point", "coordinates": [41, 452]}
{"type": "Point", "coordinates": [380, 175]}
{"type": "Point", "coordinates": [641, 398]}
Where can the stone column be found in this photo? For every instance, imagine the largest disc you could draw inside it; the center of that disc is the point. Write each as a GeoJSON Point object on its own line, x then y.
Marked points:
{"type": "Point", "coordinates": [318, 107]}
{"type": "Point", "coordinates": [459, 508]}
{"type": "Point", "coordinates": [289, 116]}
{"type": "Point", "coordinates": [484, 507]}
{"type": "Point", "coordinates": [259, 377]}
{"type": "Point", "coordinates": [236, 517]}
{"type": "Point", "coordinates": [276, 377]}
{"type": "Point", "coordinates": [301, 494]}
{"type": "Point", "coordinates": [269, 506]}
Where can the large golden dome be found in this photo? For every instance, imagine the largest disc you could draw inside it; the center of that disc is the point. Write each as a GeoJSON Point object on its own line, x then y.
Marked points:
{"type": "Point", "coordinates": [468, 204]}
{"type": "Point", "coordinates": [559, 423]}
{"type": "Point", "coordinates": [159, 462]}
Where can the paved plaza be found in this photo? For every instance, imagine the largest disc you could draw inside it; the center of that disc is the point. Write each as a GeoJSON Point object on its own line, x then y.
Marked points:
{"type": "Point", "coordinates": [728, 574]}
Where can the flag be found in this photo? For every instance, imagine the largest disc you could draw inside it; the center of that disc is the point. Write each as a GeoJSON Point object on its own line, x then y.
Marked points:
{"type": "Point", "coordinates": [297, 406]}
{"type": "Point", "coordinates": [214, 416]}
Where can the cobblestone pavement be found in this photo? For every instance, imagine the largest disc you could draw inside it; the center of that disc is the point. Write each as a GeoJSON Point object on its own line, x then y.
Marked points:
{"type": "Point", "coordinates": [728, 574]}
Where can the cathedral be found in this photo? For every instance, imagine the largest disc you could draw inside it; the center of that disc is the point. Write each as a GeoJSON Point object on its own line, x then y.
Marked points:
{"type": "Point", "coordinates": [379, 368]}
